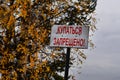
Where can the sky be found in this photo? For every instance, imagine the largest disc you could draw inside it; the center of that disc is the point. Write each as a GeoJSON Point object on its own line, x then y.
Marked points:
{"type": "Point", "coordinates": [103, 62]}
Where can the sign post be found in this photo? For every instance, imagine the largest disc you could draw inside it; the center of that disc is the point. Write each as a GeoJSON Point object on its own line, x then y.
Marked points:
{"type": "Point", "coordinates": [67, 64]}
{"type": "Point", "coordinates": [69, 36]}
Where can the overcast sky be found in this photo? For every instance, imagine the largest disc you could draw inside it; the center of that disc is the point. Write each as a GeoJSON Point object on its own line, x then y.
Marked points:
{"type": "Point", "coordinates": [103, 63]}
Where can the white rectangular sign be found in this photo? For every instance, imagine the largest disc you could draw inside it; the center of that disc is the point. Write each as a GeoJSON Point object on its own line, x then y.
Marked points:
{"type": "Point", "coordinates": [69, 36]}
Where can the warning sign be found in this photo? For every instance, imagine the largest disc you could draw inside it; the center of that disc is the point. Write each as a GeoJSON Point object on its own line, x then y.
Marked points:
{"type": "Point", "coordinates": [69, 36]}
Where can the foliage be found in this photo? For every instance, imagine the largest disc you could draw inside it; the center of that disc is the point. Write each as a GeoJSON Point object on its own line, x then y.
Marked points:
{"type": "Point", "coordinates": [25, 27]}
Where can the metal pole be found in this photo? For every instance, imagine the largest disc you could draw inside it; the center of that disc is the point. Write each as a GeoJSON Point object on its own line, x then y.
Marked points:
{"type": "Point", "coordinates": [67, 64]}
{"type": "Point", "coordinates": [68, 53]}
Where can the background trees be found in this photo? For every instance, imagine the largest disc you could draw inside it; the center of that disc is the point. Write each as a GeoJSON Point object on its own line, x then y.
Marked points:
{"type": "Point", "coordinates": [25, 27]}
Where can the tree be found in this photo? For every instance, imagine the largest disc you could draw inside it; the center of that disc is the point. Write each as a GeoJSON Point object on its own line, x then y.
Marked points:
{"type": "Point", "coordinates": [25, 31]}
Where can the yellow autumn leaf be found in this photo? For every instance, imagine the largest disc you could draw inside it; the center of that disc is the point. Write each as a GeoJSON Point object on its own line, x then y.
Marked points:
{"type": "Point", "coordinates": [47, 69]}
{"type": "Point", "coordinates": [23, 13]}
{"type": "Point", "coordinates": [11, 21]}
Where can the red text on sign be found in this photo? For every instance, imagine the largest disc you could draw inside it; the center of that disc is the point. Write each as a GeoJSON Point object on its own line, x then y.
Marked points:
{"type": "Point", "coordinates": [69, 42]}
{"type": "Point", "coordinates": [69, 30]}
